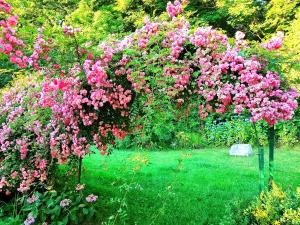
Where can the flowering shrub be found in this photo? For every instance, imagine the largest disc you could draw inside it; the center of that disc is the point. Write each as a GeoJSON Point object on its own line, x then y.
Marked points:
{"type": "Point", "coordinates": [24, 133]}
{"type": "Point", "coordinates": [274, 207]}
{"type": "Point", "coordinates": [174, 9]}
{"type": "Point", "coordinates": [90, 101]}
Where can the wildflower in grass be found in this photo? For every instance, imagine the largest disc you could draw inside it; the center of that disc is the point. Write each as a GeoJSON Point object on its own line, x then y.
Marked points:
{"type": "Point", "coordinates": [64, 203]}
{"type": "Point", "coordinates": [30, 220]}
{"type": "Point", "coordinates": [91, 198]}
{"type": "Point", "coordinates": [80, 187]}
{"type": "Point", "coordinates": [32, 199]}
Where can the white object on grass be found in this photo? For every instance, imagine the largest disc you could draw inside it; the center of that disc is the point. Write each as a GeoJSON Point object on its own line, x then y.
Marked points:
{"type": "Point", "coordinates": [241, 150]}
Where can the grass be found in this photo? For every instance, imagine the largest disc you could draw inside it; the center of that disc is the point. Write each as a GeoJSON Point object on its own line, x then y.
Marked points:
{"type": "Point", "coordinates": [177, 187]}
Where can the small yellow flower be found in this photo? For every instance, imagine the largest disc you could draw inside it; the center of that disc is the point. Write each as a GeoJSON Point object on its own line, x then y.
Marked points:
{"type": "Point", "coordinates": [260, 214]}
{"type": "Point", "coordinates": [277, 192]}
{"type": "Point", "coordinates": [138, 161]}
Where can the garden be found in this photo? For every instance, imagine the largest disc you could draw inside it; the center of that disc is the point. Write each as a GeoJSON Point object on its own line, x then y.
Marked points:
{"type": "Point", "coordinates": [149, 112]}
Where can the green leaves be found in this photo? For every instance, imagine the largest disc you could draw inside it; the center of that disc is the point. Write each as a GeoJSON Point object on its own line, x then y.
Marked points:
{"type": "Point", "coordinates": [48, 208]}
{"type": "Point", "coordinates": [85, 211]}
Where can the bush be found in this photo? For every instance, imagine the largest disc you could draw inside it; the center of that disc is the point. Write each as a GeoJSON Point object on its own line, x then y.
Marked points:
{"type": "Point", "coordinates": [271, 208]}
{"type": "Point", "coordinates": [24, 156]}
{"type": "Point", "coordinates": [232, 130]}
{"type": "Point", "coordinates": [191, 139]}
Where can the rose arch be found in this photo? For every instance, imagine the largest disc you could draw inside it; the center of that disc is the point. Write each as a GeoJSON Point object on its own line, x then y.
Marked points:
{"type": "Point", "coordinates": [65, 108]}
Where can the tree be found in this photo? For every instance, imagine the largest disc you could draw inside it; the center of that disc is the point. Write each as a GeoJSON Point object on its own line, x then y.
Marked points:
{"type": "Point", "coordinates": [277, 17]}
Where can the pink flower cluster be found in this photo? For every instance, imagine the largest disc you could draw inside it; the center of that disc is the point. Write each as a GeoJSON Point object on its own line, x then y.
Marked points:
{"type": "Point", "coordinates": [24, 145]}
{"type": "Point", "coordinates": [5, 7]}
{"type": "Point", "coordinates": [146, 32]}
{"type": "Point", "coordinates": [181, 76]}
{"type": "Point", "coordinates": [23, 148]}
{"type": "Point", "coordinates": [259, 93]}
{"type": "Point", "coordinates": [41, 49]}
{"type": "Point", "coordinates": [95, 73]}
{"type": "Point", "coordinates": [70, 31]}
{"type": "Point", "coordinates": [176, 38]}
{"type": "Point", "coordinates": [13, 46]}
{"type": "Point", "coordinates": [224, 77]}
{"type": "Point", "coordinates": [275, 42]}
{"type": "Point", "coordinates": [10, 44]}
{"type": "Point", "coordinates": [239, 40]}
{"type": "Point", "coordinates": [5, 131]}
{"type": "Point", "coordinates": [208, 38]}
{"type": "Point", "coordinates": [78, 108]}
{"type": "Point", "coordinates": [173, 9]}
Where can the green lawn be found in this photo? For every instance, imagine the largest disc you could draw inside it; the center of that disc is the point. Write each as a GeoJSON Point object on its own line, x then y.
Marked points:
{"type": "Point", "coordinates": [177, 187]}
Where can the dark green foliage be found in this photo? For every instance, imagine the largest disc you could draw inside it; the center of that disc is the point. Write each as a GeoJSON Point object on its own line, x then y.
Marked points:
{"type": "Point", "coordinates": [47, 208]}
{"type": "Point", "coordinates": [164, 129]}
{"type": "Point", "coordinates": [5, 77]}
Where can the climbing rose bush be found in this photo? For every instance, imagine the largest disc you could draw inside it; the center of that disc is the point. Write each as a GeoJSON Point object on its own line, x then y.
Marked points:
{"type": "Point", "coordinates": [24, 133]}
{"type": "Point", "coordinates": [97, 98]}
{"type": "Point", "coordinates": [10, 44]}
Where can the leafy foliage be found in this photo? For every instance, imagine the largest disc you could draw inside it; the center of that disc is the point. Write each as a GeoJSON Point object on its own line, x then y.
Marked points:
{"type": "Point", "coordinates": [50, 207]}
{"type": "Point", "coordinates": [273, 207]}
